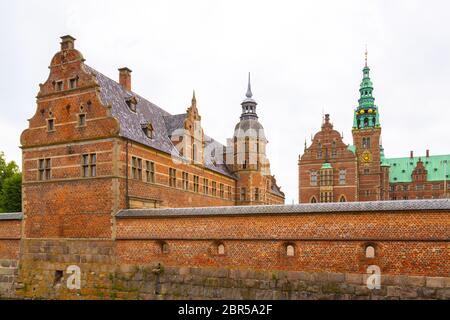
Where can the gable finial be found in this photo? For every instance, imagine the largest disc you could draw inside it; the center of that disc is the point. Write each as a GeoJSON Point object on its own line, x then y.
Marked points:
{"type": "Point", "coordinates": [194, 100]}
{"type": "Point", "coordinates": [249, 93]}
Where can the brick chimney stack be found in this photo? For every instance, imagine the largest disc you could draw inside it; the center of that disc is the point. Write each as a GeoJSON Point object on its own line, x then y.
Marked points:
{"type": "Point", "coordinates": [125, 78]}
{"type": "Point", "coordinates": [428, 153]}
{"type": "Point", "coordinates": [411, 155]}
{"type": "Point", "coordinates": [67, 43]}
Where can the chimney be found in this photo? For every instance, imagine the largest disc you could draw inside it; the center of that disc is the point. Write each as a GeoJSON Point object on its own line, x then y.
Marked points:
{"type": "Point", "coordinates": [428, 153]}
{"type": "Point", "coordinates": [125, 78]}
{"type": "Point", "coordinates": [411, 155]}
{"type": "Point", "coordinates": [67, 43]}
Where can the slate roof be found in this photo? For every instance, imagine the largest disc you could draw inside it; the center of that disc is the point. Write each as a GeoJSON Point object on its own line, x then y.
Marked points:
{"type": "Point", "coordinates": [114, 95]}
{"type": "Point", "coordinates": [438, 168]}
{"type": "Point", "coordinates": [372, 206]}
{"type": "Point", "coordinates": [11, 216]}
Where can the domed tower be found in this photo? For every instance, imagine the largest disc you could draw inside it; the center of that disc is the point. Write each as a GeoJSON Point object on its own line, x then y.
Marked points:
{"type": "Point", "coordinates": [255, 185]}
{"type": "Point", "coordinates": [367, 140]}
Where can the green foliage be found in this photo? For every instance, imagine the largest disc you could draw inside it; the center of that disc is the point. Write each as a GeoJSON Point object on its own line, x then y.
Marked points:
{"type": "Point", "coordinates": [10, 186]}
{"type": "Point", "coordinates": [11, 196]}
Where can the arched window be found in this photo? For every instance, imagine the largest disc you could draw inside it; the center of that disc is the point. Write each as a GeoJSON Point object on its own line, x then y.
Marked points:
{"type": "Point", "coordinates": [221, 249]}
{"type": "Point", "coordinates": [313, 200]}
{"type": "Point", "coordinates": [370, 252]}
{"type": "Point", "coordinates": [366, 122]}
{"type": "Point", "coordinates": [342, 199]}
{"type": "Point", "coordinates": [290, 250]}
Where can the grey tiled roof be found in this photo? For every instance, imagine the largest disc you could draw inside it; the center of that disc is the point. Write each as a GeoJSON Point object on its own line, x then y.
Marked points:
{"type": "Point", "coordinates": [400, 205]}
{"type": "Point", "coordinates": [11, 216]}
{"type": "Point", "coordinates": [163, 123]}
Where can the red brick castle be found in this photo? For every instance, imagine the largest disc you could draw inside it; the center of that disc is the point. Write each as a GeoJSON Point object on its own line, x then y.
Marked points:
{"type": "Point", "coordinates": [93, 138]}
{"type": "Point", "coordinates": [332, 171]}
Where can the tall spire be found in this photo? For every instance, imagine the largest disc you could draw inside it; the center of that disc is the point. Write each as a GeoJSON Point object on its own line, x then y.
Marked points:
{"type": "Point", "coordinates": [249, 105]}
{"type": "Point", "coordinates": [366, 114]}
{"type": "Point", "coordinates": [249, 93]}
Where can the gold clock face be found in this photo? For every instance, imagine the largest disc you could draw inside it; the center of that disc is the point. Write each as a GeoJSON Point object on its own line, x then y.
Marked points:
{"type": "Point", "coordinates": [366, 156]}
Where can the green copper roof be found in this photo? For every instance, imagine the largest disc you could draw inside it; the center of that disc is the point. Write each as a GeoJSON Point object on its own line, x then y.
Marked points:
{"type": "Point", "coordinates": [383, 161]}
{"type": "Point", "coordinates": [326, 165]}
{"type": "Point", "coordinates": [352, 148]}
{"type": "Point", "coordinates": [438, 168]}
{"type": "Point", "coordinates": [366, 114]}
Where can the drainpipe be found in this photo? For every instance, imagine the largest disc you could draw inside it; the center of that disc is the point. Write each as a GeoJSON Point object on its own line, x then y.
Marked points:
{"type": "Point", "coordinates": [127, 202]}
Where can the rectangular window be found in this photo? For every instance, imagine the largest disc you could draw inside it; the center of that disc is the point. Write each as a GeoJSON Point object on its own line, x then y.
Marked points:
{"type": "Point", "coordinates": [312, 178]}
{"type": "Point", "coordinates": [256, 194]}
{"type": "Point", "coordinates": [342, 176]}
{"type": "Point", "coordinates": [436, 187]}
{"type": "Point", "coordinates": [243, 194]}
{"type": "Point", "coordinates": [150, 171]}
{"type": "Point", "coordinates": [366, 143]}
{"type": "Point", "coordinates": [326, 196]}
{"type": "Point", "coordinates": [89, 165]}
{"type": "Point", "coordinates": [221, 190]}
{"type": "Point", "coordinates": [326, 177]}
{"type": "Point", "coordinates": [44, 168]}
{"type": "Point", "coordinates": [85, 164]}
{"type": "Point", "coordinates": [59, 86]}
{"type": "Point", "coordinates": [405, 187]}
{"type": "Point", "coordinates": [172, 177]}
{"type": "Point", "coordinates": [50, 124]}
{"type": "Point", "coordinates": [366, 171]}
{"type": "Point", "coordinates": [136, 168]}
{"type": "Point", "coordinates": [81, 120]}
{"type": "Point", "coordinates": [213, 188]}
{"type": "Point", "coordinates": [196, 183]}
{"type": "Point", "coordinates": [185, 181]}
{"type": "Point", "coordinates": [73, 83]}
{"type": "Point", "coordinates": [205, 186]}
{"type": "Point", "coordinates": [229, 192]}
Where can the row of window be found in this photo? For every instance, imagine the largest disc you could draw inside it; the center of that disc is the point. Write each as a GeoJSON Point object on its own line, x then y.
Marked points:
{"type": "Point", "coordinates": [288, 248]}
{"type": "Point", "coordinates": [88, 167]}
{"type": "Point", "coordinates": [418, 187]}
{"type": "Point", "coordinates": [243, 195]}
{"type": "Point", "coordinates": [59, 85]}
{"type": "Point", "coordinates": [405, 197]}
{"type": "Point", "coordinates": [208, 188]}
{"type": "Point", "coordinates": [326, 177]}
{"type": "Point", "coordinates": [81, 122]}
{"type": "Point", "coordinates": [334, 152]}
{"type": "Point", "coordinates": [327, 196]}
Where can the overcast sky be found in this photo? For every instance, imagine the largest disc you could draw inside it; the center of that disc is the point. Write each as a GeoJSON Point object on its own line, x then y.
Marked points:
{"type": "Point", "coordinates": [305, 57]}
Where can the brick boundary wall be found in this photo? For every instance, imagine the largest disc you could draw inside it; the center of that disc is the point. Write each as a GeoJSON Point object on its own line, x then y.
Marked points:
{"type": "Point", "coordinates": [10, 234]}
{"type": "Point", "coordinates": [411, 241]}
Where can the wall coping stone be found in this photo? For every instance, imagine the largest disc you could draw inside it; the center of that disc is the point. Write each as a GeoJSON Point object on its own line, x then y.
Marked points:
{"type": "Point", "coordinates": [343, 207]}
{"type": "Point", "coordinates": [11, 216]}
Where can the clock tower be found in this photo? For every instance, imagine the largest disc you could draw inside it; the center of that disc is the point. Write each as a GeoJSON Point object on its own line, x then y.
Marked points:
{"type": "Point", "coordinates": [367, 141]}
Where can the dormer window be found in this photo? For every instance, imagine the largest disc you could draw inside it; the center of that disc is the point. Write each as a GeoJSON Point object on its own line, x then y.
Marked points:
{"type": "Point", "coordinates": [131, 103]}
{"type": "Point", "coordinates": [148, 130]}
{"type": "Point", "coordinates": [50, 125]}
